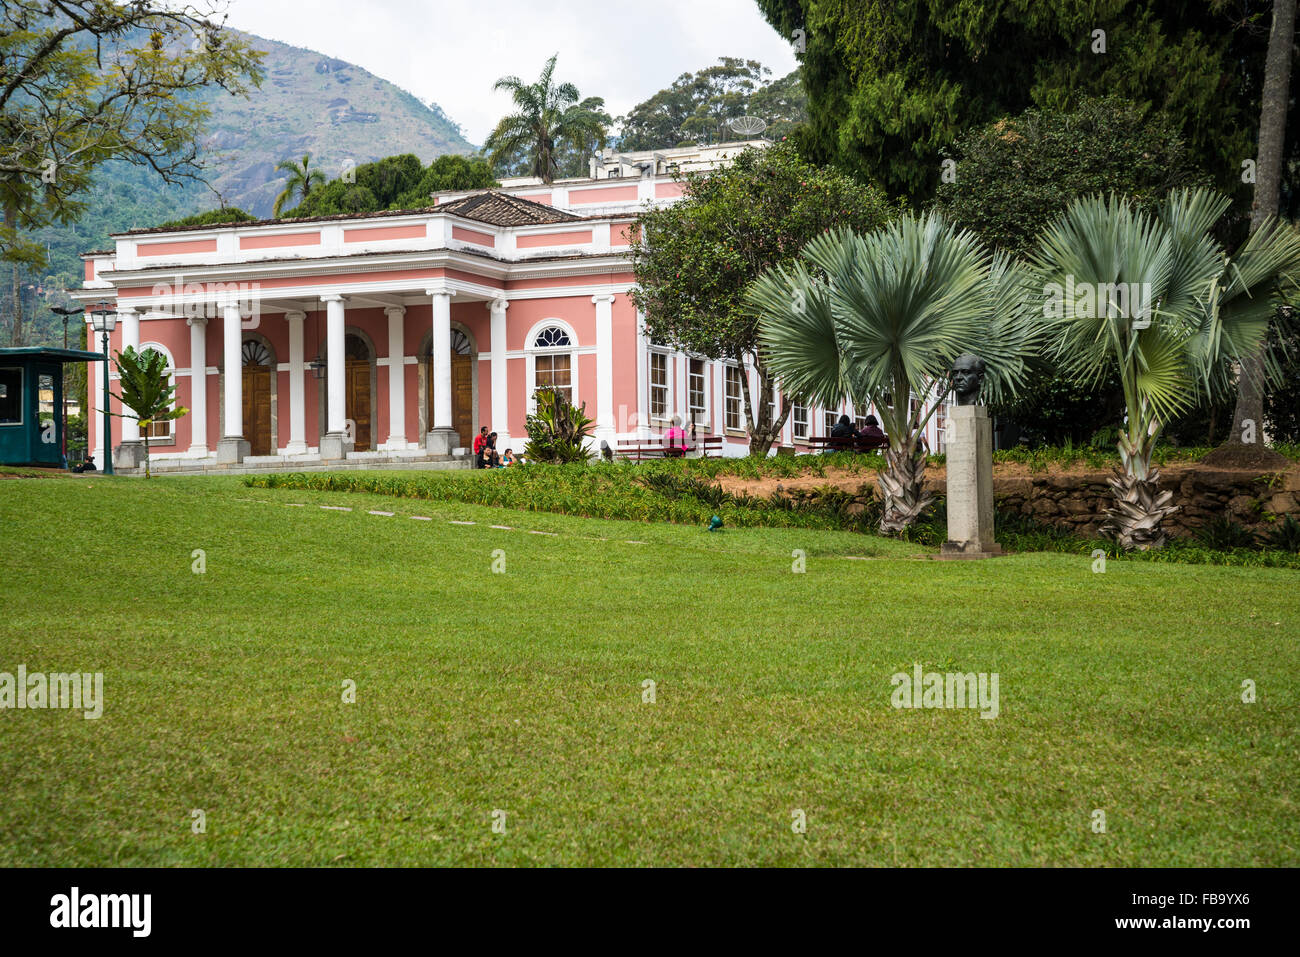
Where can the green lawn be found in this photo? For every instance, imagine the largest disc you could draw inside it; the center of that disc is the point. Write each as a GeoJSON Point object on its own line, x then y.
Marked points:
{"type": "Point", "coordinates": [522, 692]}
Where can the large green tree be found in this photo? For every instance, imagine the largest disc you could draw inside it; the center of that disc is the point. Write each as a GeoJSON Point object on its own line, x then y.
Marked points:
{"type": "Point", "coordinates": [891, 83]}
{"type": "Point", "coordinates": [551, 132]}
{"type": "Point", "coordinates": [696, 107]}
{"type": "Point", "coordinates": [693, 260]}
{"type": "Point", "coordinates": [86, 82]}
{"type": "Point", "coordinates": [395, 182]}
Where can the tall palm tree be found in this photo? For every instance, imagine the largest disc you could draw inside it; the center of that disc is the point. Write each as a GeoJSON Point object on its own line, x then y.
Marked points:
{"type": "Point", "coordinates": [301, 181]}
{"type": "Point", "coordinates": [548, 121]}
{"type": "Point", "coordinates": [1155, 297]}
{"type": "Point", "coordinates": [880, 318]}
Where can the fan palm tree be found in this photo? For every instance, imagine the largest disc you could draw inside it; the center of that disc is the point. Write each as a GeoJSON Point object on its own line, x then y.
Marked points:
{"type": "Point", "coordinates": [548, 121]}
{"type": "Point", "coordinates": [879, 318]}
{"type": "Point", "coordinates": [146, 391]}
{"type": "Point", "coordinates": [1156, 298]}
{"type": "Point", "coordinates": [301, 181]}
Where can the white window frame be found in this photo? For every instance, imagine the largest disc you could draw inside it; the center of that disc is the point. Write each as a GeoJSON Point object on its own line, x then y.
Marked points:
{"type": "Point", "coordinates": [698, 415]}
{"type": "Point", "coordinates": [798, 421]}
{"type": "Point", "coordinates": [729, 370]}
{"type": "Point", "coordinates": [666, 388]}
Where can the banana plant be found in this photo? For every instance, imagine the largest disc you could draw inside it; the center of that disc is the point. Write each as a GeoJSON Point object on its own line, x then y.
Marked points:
{"type": "Point", "coordinates": [1157, 298]}
{"type": "Point", "coordinates": [880, 317]}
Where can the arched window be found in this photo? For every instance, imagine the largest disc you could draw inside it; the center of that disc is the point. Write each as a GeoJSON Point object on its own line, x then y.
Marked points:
{"type": "Point", "coordinates": [256, 353]}
{"type": "Point", "coordinates": [354, 347]}
{"type": "Point", "coordinates": [460, 344]}
{"type": "Point", "coordinates": [552, 337]}
{"type": "Point", "coordinates": [554, 364]}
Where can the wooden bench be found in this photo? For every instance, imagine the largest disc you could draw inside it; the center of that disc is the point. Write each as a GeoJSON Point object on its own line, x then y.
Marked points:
{"type": "Point", "coordinates": [847, 443]}
{"type": "Point", "coordinates": [654, 447]}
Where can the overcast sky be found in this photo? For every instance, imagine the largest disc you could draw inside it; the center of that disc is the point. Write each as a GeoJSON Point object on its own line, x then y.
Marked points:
{"type": "Point", "coordinates": [452, 53]}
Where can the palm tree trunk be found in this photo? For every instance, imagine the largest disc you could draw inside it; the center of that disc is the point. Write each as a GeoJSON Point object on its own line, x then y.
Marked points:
{"type": "Point", "coordinates": [1268, 178]}
{"type": "Point", "coordinates": [1140, 507]}
{"type": "Point", "coordinates": [902, 486]}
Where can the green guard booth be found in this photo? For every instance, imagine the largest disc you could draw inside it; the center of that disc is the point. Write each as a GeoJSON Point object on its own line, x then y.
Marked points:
{"type": "Point", "coordinates": [27, 438]}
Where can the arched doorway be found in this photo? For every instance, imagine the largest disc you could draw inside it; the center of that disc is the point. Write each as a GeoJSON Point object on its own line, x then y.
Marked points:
{"type": "Point", "coordinates": [258, 365]}
{"type": "Point", "coordinates": [360, 404]}
{"type": "Point", "coordinates": [463, 406]}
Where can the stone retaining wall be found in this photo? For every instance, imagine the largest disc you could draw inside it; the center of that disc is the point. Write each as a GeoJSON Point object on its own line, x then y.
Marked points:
{"type": "Point", "coordinates": [1078, 501]}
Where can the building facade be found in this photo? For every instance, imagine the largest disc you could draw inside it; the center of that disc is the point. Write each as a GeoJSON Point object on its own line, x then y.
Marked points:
{"type": "Point", "coordinates": [397, 335]}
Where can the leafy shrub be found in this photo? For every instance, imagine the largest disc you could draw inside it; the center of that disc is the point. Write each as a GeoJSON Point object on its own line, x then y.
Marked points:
{"type": "Point", "coordinates": [1223, 534]}
{"type": "Point", "coordinates": [1285, 537]}
{"type": "Point", "coordinates": [557, 432]}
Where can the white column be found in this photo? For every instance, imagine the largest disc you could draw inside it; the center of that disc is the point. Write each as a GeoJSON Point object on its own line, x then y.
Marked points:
{"type": "Point", "coordinates": [604, 368]}
{"type": "Point", "coordinates": [233, 363]}
{"type": "Point", "coordinates": [130, 321]}
{"type": "Point", "coordinates": [500, 386]}
{"type": "Point", "coordinates": [297, 386]}
{"type": "Point", "coordinates": [335, 369]}
{"type": "Point", "coordinates": [198, 384]}
{"type": "Point", "coordinates": [232, 447]}
{"type": "Point", "coordinates": [396, 377]}
{"type": "Point", "coordinates": [442, 437]}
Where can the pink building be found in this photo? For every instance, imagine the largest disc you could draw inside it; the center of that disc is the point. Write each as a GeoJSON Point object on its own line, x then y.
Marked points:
{"type": "Point", "coordinates": [393, 337]}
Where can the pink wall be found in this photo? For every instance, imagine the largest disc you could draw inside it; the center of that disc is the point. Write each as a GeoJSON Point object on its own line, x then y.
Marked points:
{"type": "Point", "coordinates": [276, 240]}
{"type": "Point", "coordinates": [517, 370]}
{"type": "Point", "coordinates": [626, 372]}
{"type": "Point", "coordinates": [579, 237]}
{"type": "Point", "coordinates": [605, 194]}
{"type": "Point", "coordinates": [176, 248]}
{"type": "Point", "coordinates": [370, 234]}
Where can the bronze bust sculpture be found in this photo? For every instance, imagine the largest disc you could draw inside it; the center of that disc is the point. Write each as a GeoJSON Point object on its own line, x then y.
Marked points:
{"type": "Point", "coordinates": [967, 378]}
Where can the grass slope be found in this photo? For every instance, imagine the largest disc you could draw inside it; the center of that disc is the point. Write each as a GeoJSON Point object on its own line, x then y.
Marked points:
{"type": "Point", "coordinates": [522, 691]}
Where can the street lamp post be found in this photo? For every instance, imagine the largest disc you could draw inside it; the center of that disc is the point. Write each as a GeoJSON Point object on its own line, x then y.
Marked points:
{"type": "Point", "coordinates": [103, 320]}
{"type": "Point", "coordinates": [66, 314]}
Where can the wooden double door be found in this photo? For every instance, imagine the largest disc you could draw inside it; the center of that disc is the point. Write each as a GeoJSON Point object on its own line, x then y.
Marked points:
{"type": "Point", "coordinates": [462, 397]}
{"type": "Point", "coordinates": [360, 402]}
{"type": "Point", "coordinates": [257, 409]}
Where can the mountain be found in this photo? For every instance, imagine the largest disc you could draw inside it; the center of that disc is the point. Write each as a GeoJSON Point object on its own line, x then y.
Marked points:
{"type": "Point", "coordinates": [308, 103]}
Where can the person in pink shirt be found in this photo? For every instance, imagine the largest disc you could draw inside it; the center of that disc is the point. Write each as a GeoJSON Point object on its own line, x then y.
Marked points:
{"type": "Point", "coordinates": [675, 438]}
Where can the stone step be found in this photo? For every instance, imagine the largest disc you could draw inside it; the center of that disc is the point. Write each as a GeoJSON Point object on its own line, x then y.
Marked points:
{"type": "Point", "coordinates": [299, 463]}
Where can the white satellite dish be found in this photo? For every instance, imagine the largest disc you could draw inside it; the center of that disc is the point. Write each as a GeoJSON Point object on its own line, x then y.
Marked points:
{"type": "Point", "coordinates": [747, 125]}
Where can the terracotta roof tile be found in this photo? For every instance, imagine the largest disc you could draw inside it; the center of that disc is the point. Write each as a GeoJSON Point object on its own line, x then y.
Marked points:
{"type": "Point", "coordinates": [502, 209]}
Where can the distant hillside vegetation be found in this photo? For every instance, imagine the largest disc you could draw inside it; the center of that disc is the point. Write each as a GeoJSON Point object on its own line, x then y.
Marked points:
{"type": "Point", "coordinates": [309, 103]}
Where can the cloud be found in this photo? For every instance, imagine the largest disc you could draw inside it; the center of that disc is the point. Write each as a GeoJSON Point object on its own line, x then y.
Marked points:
{"type": "Point", "coordinates": [452, 53]}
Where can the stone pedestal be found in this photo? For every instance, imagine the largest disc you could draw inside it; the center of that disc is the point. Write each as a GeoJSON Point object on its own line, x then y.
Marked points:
{"type": "Point", "coordinates": [232, 449]}
{"type": "Point", "coordinates": [970, 484]}
{"type": "Point", "coordinates": [333, 445]}
{"type": "Point", "coordinates": [442, 441]}
{"type": "Point", "coordinates": [129, 455]}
